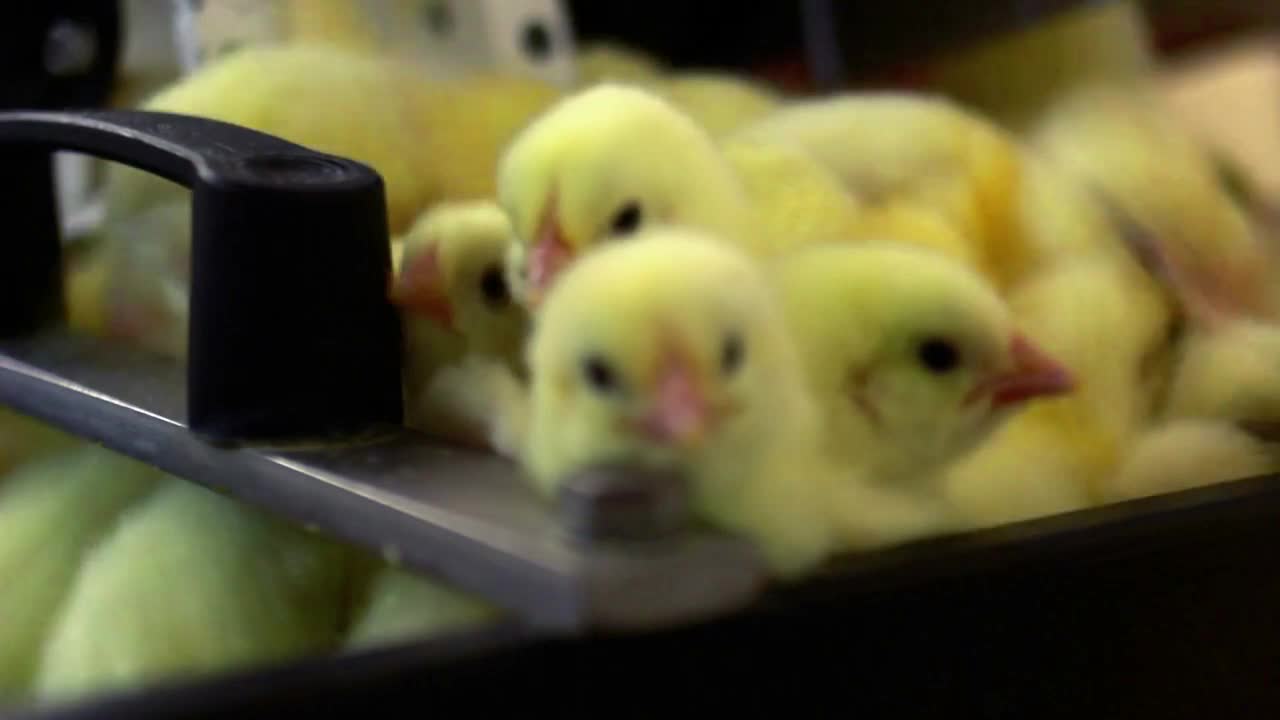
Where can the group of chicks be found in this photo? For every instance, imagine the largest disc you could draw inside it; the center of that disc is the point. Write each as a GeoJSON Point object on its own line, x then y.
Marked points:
{"type": "Point", "coordinates": [848, 321]}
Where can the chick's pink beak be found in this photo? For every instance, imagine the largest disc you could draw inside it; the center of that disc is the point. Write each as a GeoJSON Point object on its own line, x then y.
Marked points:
{"type": "Point", "coordinates": [1035, 374]}
{"type": "Point", "coordinates": [680, 413]}
{"type": "Point", "coordinates": [550, 255]}
{"type": "Point", "coordinates": [420, 289]}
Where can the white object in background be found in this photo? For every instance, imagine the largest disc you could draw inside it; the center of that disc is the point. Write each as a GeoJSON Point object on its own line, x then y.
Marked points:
{"type": "Point", "coordinates": [448, 37]}
{"type": "Point", "coordinates": [205, 29]}
{"type": "Point", "coordinates": [528, 37]}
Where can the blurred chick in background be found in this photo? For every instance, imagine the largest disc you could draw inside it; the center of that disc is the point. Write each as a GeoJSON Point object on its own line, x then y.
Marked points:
{"type": "Point", "coordinates": [400, 605]}
{"type": "Point", "coordinates": [24, 438]}
{"type": "Point", "coordinates": [670, 351]}
{"type": "Point", "coordinates": [429, 141]}
{"type": "Point", "coordinates": [1015, 76]}
{"type": "Point", "coordinates": [452, 290]}
{"type": "Point", "coordinates": [1126, 145]}
{"type": "Point", "coordinates": [53, 511]}
{"type": "Point", "coordinates": [191, 582]}
{"type": "Point", "coordinates": [719, 102]}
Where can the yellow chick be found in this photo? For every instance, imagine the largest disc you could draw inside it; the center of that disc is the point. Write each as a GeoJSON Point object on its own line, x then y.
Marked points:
{"type": "Point", "coordinates": [1015, 76]}
{"type": "Point", "coordinates": [1191, 453]}
{"type": "Point", "coordinates": [1226, 369]}
{"type": "Point", "coordinates": [430, 141]}
{"type": "Point", "coordinates": [1110, 325]}
{"type": "Point", "coordinates": [719, 102]}
{"type": "Point", "coordinates": [451, 287]}
{"type": "Point", "coordinates": [53, 510]}
{"type": "Point", "coordinates": [605, 62]}
{"type": "Point", "coordinates": [23, 438]}
{"type": "Point", "coordinates": [399, 606]}
{"type": "Point", "coordinates": [893, 148]}
{"type": "Point", "coordinates": [192, 582]}
{"type": "Point", "coordinates": [670, 351]}
{"type": "Point", "coordinates": [1124, 143]}
{"type": "Point", "coordinates": [914, 359]}
{"type": "Point", "coordinates": [611, 160]}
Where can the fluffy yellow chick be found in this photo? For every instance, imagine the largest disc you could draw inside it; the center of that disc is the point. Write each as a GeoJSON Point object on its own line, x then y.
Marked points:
{"type": "Point", "coordinates": [401, 606]}
{"type": "Point", "coordinates": [1190, 453]}
{"type": "Point", "coordinates": [52, 512]}
{"type": "Point", "coordinates": [23, 438]}
{"type": "Point", "coordinates": [913, 358]}
{"type": "Point", "coordinates": [430, 141]}
{"type": "Point", "coordinates": [1110, 325]}
{"type": "Point", "coordinates": [192, 582]}
{"type": "Point", "coordinates": [602, 62]}
{"type": "Point", "coordinates": [452, 290]}
{"type": "Point", "coordinates": [611, 160]}
{"type": "Point", "coordinates": [670, 351]}
{"type": "Point", "coordinates": [1226, 369]}
{"type": "Point", "coordinates": [1126, 144]}
{"type": "Point", "coordinates": [1014, 76]}
{"type": "Point", "coordinates": [893, 148]}
{"type": "Point", "coordinates": [719, 102]}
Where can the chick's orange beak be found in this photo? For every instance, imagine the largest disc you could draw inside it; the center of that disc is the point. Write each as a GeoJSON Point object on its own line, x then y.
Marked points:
{"type": "Point", "coordinates": [1035, 374]}
{"type": "Point", "coordinates": [680, 413]}
{"type": "Point", "coordinates": [420, 289]}
{"type": "Point", "coordinates": [551, 254]}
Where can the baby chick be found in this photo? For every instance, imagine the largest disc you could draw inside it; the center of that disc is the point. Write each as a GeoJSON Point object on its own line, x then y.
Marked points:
{"type": "Point", "coordinates": [430, 141]}
{"type": "Point", "coordinates": [914, 361]}
{"type": "Point", "coordinates": [1110, 325]}
{"type": "Point", "coordinates": [914, 358]}
{"type": "Point", "coordinates": [53, 510]}
{"type": "Point", "coordinates": [1190, 453]}
{"type": "Point", "coordinates": [1124, 143]}
{"type": "Point", "coordinates": [611, 160]}
{"type": "Point", "coordinates": [190, 582]}
{"type": "Point", "coordinates": [400, 605]}
{"type": "Point", "coordinates": [670, 350]}
{"type": "Point", "coordinates": [896, 148]}
{"type": "Point", "coordinates": [451, 286]}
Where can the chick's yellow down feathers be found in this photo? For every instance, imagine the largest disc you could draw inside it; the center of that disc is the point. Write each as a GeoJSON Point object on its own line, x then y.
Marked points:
{"type": "Point", "coordinates": [452, 291]}
{"type": "Point", "coordinates": [611, 160]}
{"type": "Point", "coordinates": [894, 148]}
{"type": "Point", "coordinates": [430, 141]}
{"type": "Point", "coordinates": [1109, 323]}
{"type": "Point", "coordinates": [1191, 453]}
{"type": "Point", "coordinates": [400, 606]}
{"type": "Point", "coordinates": [670, 351]}
{"type": "Point", "coordinates": [52, 512]}
{"type": "Point", "coordinates": [1015, 76]}
{"type": "Point", "coordinates": [1125, 144]}
{"type": "Point", "coordinates": [192, 582]}
{"type": "Point", "coordinates": [913, 357]}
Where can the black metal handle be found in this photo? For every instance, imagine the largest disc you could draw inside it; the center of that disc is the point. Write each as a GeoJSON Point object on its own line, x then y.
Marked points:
{"type": "Point", "coordinates": [290, 331]}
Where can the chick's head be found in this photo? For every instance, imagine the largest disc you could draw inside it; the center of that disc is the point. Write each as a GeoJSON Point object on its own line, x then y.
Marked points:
{"type": "Point", "coordinates": [452, 273]}
{"type": "Point", "coordinates": [606, 163]}
{"type": "Point", "coordinates": [914, 358]}
{"type": "Point", "coordinates": [667, 351]}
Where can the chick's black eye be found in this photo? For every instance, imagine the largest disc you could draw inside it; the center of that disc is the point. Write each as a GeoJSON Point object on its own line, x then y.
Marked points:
{"type": "Point", "coordinates": [627, 220]}
{"type": "Point", "coordinates": [494, 286]}
{"type": "Point", "coordinates": [732, 353]}
{"type": "Point", "coordinates": [938, 355]}
{"type": "Point", "coordinates": [599, 374]}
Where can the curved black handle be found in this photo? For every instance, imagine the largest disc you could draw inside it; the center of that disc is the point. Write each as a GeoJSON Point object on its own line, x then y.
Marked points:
{"type": "Point", "coordinates": [290, 333]}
